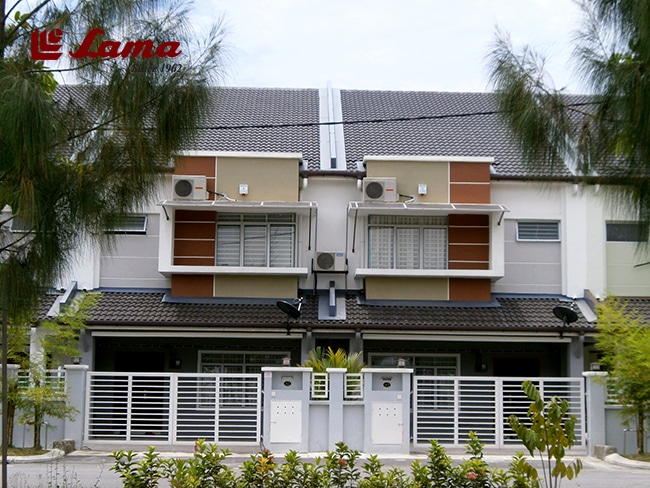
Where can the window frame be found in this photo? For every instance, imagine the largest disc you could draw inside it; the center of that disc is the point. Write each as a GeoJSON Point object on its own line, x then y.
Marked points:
{"type": "Point", "coordinates": [399, 225]}
{"type": "Point", "coordinates": [127, 229]}
{"type": "Point", "coordinates": [629, 224]}
{"type": "Point", "coordinates": [250, 221]}
{"type": "Point", "coordinates": [537, 238]}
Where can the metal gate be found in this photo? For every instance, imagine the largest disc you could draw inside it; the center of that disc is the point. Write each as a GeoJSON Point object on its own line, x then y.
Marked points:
{"type": "Point", "coordinates": [173, 408]}
{"type": "Point", "coordinates": [448, 408]}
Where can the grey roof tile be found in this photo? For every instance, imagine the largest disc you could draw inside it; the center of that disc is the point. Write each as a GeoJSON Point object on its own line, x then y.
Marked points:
{"type": "Point", "coordinates": [134, 309]}
{"type": "Point", "coordinates": [242, 108]}
{"type": "Point", "coordinates": [451, 124]}
{"type": "Point", "coordinates": [448, 124]}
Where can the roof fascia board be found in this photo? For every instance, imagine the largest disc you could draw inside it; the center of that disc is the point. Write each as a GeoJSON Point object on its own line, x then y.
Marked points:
{"type": "Point", "coordinates": [430, 159]}
{"type": "Point", "coordinates": [242, 154]}
{"type": "Point", "coordinates": [470, 336]}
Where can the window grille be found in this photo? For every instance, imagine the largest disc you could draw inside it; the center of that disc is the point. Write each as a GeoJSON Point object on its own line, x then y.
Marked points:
{"type": "Point", "coordinates": [538, 231]}
{"type": "Point", "coordinates": [406, 242]}
{"type": "Point", "coordinates": [256, 240]}
{"type": "Point", "coordinates": [131, 224]}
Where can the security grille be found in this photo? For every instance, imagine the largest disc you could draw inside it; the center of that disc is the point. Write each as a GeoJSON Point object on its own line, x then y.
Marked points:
{"type": "Point", "coordinates": [173, 408]}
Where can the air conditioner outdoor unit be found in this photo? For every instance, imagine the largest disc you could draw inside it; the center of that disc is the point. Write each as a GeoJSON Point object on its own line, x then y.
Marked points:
{"type": "Point", "coordinates": [380, 190]}
{"type": "Point", "coordinates": [329, 261]}
{"type": "Point", "coordinates": [189, 187]}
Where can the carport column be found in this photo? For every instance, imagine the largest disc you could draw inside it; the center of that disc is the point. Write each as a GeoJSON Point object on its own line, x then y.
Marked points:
{"type": "Point", "coordinates": [75, 377]}
{"type": "Point", "coordinates": [337, 387]}
{"type": "Point", "coordinates": [595, 399]}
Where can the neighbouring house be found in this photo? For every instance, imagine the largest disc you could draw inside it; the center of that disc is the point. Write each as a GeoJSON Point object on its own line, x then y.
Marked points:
{"type": "Point", "coordinates": [400, 224]}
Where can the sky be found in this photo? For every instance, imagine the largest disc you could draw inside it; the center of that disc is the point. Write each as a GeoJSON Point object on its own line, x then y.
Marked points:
{"type": "Point", "coordinates": [431, 45]}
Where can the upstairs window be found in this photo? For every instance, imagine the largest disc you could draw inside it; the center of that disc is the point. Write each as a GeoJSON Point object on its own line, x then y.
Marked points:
{"type": "Point", "coordinates": [403, 242]}
{"type": "Point", "coordinates": [131, 224]}
{"type": "Point", "coordinates": [548, 231]}
{"type": "Point", "coordinates": [264, 240]}
{"type": "Point", "coordinates": [626, 232]}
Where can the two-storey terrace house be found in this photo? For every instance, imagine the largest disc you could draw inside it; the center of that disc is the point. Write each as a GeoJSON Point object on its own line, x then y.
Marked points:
{"type": "Point", "coordinates": [401, 224]}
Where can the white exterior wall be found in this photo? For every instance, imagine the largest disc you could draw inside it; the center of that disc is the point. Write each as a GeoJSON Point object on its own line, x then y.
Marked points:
{"type": "Point", "coordinates": [526, 262]}
{"type": "Point", "coordinates": [334, 229]}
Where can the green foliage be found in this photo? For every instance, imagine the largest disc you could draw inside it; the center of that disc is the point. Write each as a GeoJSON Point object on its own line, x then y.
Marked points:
{"type": "Point", "coordinates": [207, 469]}
{"type": "Point", "coordinates": [605, 134]}
{"type": "Point", "coordinates": [550, 431]}
{"type": "Point", "coordinates": [261, 471]}
{"type": "Point", "coordinates": [61, 340]}
{"type": "Point", "coordinates": [340, 468]}
{"type": "Point", "coordinates": [145, 473]}
{"type": "Point", "coordinates": [36, 396]}
{"type": "Point", "coordinates": [297, 474]}
{"type": "Point", "coordinates": [39, 400]}
{"type": "Point", "coordinates": [203, 470]}
{"type": "Point", "coordinates": [320, 359]}
{"type": "Point", "coordinates": [623, 340]}
{"type": "Point", "coordinates": [521, 474]}
{"type": "Point", "coordinates": [76, 158]}
{"type": "Point", "coordinates": [374, 476]}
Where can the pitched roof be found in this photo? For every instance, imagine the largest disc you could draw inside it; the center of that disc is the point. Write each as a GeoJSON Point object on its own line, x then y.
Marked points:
{"type": "Point", "coordinates": [443, 124]}
{"type": "Point", "coordinates": [507, 313]}
{"type": "Point", "coordinates": [251, 111]}
{"type": "Point", "coordinates": [432, 124]}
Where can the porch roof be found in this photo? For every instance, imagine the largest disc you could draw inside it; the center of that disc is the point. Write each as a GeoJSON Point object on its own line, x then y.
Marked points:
{"type": "Point", "coordinates": [506, 313]}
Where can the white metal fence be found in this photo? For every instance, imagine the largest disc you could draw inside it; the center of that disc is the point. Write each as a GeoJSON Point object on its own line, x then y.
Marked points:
{"type": "Point", "coordinates": [447, 408]}
{"type": "Point", "coordinates": [173, 407]}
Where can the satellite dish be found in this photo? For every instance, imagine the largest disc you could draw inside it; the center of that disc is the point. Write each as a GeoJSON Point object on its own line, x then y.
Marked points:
{"type": "Point", "coordinates": [565, 314]}
{"type": "Point", "coordinates": [291, 309]}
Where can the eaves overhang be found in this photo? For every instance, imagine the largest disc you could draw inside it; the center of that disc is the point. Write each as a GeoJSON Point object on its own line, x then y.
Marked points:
{"type": "Point", "coordinates": [364, 208]}
{"type": "Point", "coordinates": [241, 206]}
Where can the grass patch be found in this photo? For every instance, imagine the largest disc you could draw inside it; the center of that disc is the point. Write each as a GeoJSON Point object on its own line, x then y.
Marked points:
{"type": "Point", "coordinates": [638, 457]}
{"type": "Point", "coordinates": [24, 451]}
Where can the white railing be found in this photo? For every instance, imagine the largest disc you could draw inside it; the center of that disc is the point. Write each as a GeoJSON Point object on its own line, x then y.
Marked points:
{"type": "Point", "coordinates": [353, 386]}
{"type": "Point", "coordinates": [447, 408]}
{"type": "Point", "coordinates": [54, 378]}
{"type": "Point", "coordinates": [173, 407]}
{"type": "Point", "coordinates": [320, 386]}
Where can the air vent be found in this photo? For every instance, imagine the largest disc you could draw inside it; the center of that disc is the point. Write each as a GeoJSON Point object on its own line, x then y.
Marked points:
{"type": "Point", "coordinates": [189, 187]}
{"type": "Point", "coordinates": [380, 189]}
{"type": "Point", "coordinates": [329, 261]}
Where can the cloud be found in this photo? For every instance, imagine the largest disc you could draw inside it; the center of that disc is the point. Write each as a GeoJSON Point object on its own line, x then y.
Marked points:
{"type": "Point", "coordinates": [384, 44]}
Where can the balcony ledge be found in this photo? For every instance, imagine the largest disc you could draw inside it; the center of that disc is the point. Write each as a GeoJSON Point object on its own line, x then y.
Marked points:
{"type": "Point", "coordinates": [428, 273]}
{"type": "Point", "coordinates": [234, 270]}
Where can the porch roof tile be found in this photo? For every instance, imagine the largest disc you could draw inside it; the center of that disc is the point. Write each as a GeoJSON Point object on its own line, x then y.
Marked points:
{"type": "Point", "coordinates": [505, 313]}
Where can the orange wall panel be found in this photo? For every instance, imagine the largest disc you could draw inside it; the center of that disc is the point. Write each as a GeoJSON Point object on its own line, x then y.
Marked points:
{"type": "Point", "coordinates": [192, 285]}
{"type": "Point", "coordinates": [193, 261]}
{"type": "Point", "coordinates": [469, 252]}
{"type": "Point", "coordinates": [194, 248]}
{"type": "Point", "coordinates": [468, 265]}
{"type": "Point", "coordinates": [187, 230]}
{"type": "Point", "coordinates": [469, 172]}
{"type": "Point", "coordinates": [469, 220]}
{"type": "Point", "coordinates": [469, 235]}
{"type": "Point", "coordinates": [192, 165]}
{"type": "Point", "coordinates": [470, 289]}
{"type": "Point", "coordinates": [196, 216]}
{"type": "Point", "coordinates": [469, 193]}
